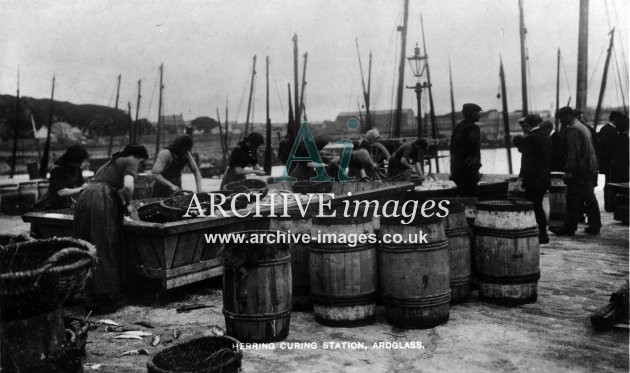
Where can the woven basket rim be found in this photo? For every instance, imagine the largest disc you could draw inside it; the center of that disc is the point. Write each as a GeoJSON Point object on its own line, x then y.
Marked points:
{"type": "Point", "coordinates": [55, 269]}
{"type": "Point", "coordinates": [178, 347]}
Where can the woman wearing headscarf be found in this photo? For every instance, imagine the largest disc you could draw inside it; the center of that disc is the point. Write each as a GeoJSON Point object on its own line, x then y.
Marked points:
{"type": "Point", "coordinates": [245, 154]}
{"type": "Point", "coordinates": [169, 164]}
{"type": "Point", "coordinates": [98, 218]}
{"type": "Point", "coordinates": [66, 180]}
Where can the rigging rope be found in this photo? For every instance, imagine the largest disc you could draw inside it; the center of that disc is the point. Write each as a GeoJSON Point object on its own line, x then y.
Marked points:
{"type": "Point", "coordinates": [240, 102]}
{"type": "Point", "coordinates": [621, 88]}
{"type": "Point", "coordinates": [617, 86]}
{"type": "Point", "coordinates": [566, 79]}
{"type": "Point", "coordinates": [275, 83]}
{"type": "Point", "coordinates": [622, 42]}
{"type": "Point", "coordinates": [148, 109]}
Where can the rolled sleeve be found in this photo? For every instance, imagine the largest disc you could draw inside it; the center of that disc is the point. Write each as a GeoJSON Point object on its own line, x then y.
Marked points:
{"type": "Point", "coordinates": [162, 161]}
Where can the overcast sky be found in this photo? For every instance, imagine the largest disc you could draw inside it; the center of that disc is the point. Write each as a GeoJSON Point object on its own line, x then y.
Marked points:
{"type": "Point", "coordinates": [207, 48]}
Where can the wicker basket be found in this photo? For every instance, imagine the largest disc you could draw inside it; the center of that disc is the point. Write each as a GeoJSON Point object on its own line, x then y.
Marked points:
{"type": "Point", "coordinates": [38, 276]}
{"type": "Point", "coordinates": [9, 239]}
{"type": "Point", "coordinates": [173, 207]}
{"type": "Point", "coordinates": [201, 355]}
{"type": "Point", "coordinates": [152, 212]}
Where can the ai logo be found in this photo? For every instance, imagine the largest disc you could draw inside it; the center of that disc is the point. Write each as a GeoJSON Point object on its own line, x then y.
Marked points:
{"type": "Point", "coordinates": [305, 134]}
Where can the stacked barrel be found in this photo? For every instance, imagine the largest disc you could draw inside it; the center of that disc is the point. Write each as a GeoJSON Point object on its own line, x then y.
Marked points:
{"type": "Point", "coordinates": [343, 276]}
{"type": "Point", "coordinates": [257, 289]}
{"type": "Point", "coordinates": [416, 280]}
{"type": "Point", "coordinates": [414, 277]}
{"type": "Point", "coordinates": [506, 251]}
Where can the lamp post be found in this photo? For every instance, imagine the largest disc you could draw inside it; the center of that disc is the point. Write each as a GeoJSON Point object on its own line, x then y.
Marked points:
{"type": "Point", "coordinates": [418, 69]}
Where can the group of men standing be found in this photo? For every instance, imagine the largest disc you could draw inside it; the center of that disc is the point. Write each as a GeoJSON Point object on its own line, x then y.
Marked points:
{"type": "Point", "coordinates": [574, 149]}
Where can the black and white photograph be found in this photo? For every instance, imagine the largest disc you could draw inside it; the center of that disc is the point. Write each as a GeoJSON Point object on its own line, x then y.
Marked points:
{"type": "Point", "coordinates": [314, 186]}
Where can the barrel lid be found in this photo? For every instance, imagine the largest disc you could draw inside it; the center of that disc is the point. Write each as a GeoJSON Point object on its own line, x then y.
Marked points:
{"type": "Point", "coordinates": [515, 204]}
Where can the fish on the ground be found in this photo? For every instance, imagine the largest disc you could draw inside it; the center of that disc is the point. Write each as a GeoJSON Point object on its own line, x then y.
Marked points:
{"type": "Point", "coordinates": [144, 323]}
{"type": "Point", "coordinates": [108, 322]}
{"type": "Point", "coordinates": [190, 307]}
{"type": "Point", "coordinates": [156, 340]}
{"type": "Point", "coordinates": [142, 351]}
{"type": "Point", "coordinates": [128, 336]}
{"type": "Point", "coordinates": [218, 331]}
{"type": "Point", "coordinates": [138, 333]}
{"type": "Point", "coordinates": [176, 333]}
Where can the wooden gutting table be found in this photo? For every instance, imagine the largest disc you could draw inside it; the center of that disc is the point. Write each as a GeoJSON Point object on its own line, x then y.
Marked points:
{"type": "Point", "coordinates": [176, 253]}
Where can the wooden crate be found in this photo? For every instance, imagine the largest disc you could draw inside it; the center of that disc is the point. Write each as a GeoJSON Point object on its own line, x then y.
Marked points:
{"type": "Point", "coordinates": [175, 253]}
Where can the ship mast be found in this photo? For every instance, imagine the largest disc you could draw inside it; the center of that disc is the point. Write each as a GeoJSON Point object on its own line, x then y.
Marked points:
{"type": "Point", "coordinates": [16, 129]}
{"type": "Point", "coordinates": [366, 92]}
{"type": "Point", "coordinates": [159, 122]}
{"type": "Point", "coordinates": [267, 163]}
{"type": "Point", "coordinates": [434, 129]}
{"type": "Point", "coordinates": [111, 135]}
{"type": "Point", "coordinates": [604, 78]}
{"type": "Point", "coordinates": [506, 119]}
{"type": "Point", "coordinates": [401, 71]}
{"type": "Point", "coordinates": [558, 88]}
{"type": "Point", "coordinates": [582, 67]}
{"type": "Point", "coordinates": [137, 136]}
{"type": "Point", "coordinates": [523, 32]}
{"type": "Point", "coordinates": [43, 167]}
{"type": "Point", "coordinates": [450, 77]}
{"type": "Point", "coordinates": [249, 101]}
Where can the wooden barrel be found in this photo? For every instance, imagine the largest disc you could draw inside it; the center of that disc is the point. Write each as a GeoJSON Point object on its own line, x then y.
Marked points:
{"type": "Point", "coordinates": [257, 289]}
{"type": "Point", "coordinates": [458, 234]}
{"type": "Point", "coordinates": [414, 277]}
{"type": "Point", "coordinates": [297, 224]}
{"type": "Point", "coordinates": [343, 276]}
{"type": "Point", "coordinates": [557, 201]}
{"type": "Point", "coordinates": [506, 251]}
{"type": "Point", "coordinates": [621, 208]}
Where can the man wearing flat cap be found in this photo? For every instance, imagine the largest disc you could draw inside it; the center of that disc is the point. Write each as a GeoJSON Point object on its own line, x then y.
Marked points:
{"type": "Point", "coordinates": [535, 175]}
{"type": "Point", "coordinates": [606, 140]}
{"type": "Point", "coordinates": [581, 171]}
{"type": "Point", "coordinates": [466, 151]}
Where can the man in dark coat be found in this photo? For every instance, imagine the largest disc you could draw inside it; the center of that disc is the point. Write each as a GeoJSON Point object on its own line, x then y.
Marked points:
{"type": "Point", "coordinates": [606, 141]}
{"type": "Point", "coordinates": [581, 171]}
{"type": "Point", "coordinates": [619, 163]}
{"type": "Point", "coordinates": [466, 151]}
{"type": "Point", "coordinates": [536, 169]}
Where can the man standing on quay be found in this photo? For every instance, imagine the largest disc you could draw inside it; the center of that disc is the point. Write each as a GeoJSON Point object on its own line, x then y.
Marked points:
{"type": "Point", "coordinates": [535, 175]}
{"type": "Point", "coordinates": [466, 152]}
{"type": "Point", "coordinates": [580, 174]}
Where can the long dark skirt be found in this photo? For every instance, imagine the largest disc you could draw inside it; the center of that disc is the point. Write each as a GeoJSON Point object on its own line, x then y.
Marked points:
{"type": "Point", "coordinates": [98, 218]}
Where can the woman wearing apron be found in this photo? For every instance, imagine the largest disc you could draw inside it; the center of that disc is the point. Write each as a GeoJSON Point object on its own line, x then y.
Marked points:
{"type": "Point", "coordinates": [168, 167]}
{"type": "Point", "coordinates": [98, 218]}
